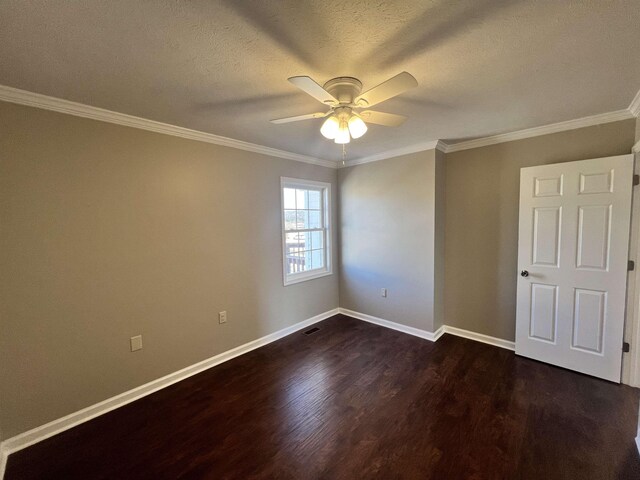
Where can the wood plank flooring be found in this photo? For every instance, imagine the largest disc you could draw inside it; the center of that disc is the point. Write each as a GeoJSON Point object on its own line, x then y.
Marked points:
{"type": "Point", "coordinates": [358, 401]}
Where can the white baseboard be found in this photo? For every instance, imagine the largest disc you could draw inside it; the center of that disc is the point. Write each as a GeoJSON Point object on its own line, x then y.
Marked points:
{"type": "Point", "coordinates": [432, 336]}
{"type": "Point", "coordinates": [3, 460]}
{"type": "Point", "coordinates": [43, 432]}
{"type": "Point", "coordinates": [479, 337]}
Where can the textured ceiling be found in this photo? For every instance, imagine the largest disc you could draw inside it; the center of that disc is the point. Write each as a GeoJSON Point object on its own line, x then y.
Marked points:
{"type": "Point", "coordinates": [484, 66]}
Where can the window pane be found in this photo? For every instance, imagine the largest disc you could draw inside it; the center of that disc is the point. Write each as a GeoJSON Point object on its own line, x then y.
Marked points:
{"type": "Point", "coordinates": [290, 220]}
{"type": "Point", "coordinates": [307, 260]}
{"type": "Point", "coordinates": [302, 199]}
{"type": "Point", "coordinates": [292, 244]}
{"type": "Point", "coordinates": [315, 198]}
{"type": "Point", "coordinates": [314, 219]}
{"type": "Point", "coordinates": [317, 240]}
{"type": "Point", "coordinates": [302, 217]}
{"type": "Point", "coordinates": [317, 258]}
{"type": "Point", "coordinates": [304, 239]}
{"type": "Point", "coordinates": [295, 263]}
{"type": "Point", "coordinates": [289, 198]}
{"type": "Point", "coordinates": [298, 241]}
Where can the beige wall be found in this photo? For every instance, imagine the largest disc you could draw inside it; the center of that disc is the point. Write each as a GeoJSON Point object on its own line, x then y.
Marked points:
{"type": "Point", "coordinates": [388, 238]}
{"type": "Point", "coordinates": [109, 232]}
{"type": "Point", "coordinates": [637, 139]}
{"type": "Point", "coordinates": [482, 195]}
{"type": "Point", "coordinates": [439, 240]}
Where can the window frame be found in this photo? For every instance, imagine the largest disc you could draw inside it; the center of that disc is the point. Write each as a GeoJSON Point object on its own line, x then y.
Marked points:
{"type": "Point", "coordinates": [325, 188]}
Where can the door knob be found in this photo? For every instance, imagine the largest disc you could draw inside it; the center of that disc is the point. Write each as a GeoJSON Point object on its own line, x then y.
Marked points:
{"type": "Point", "coordinates": [524, 273]}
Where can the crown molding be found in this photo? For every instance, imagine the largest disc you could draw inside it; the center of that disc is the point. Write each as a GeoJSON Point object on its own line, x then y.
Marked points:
{"type": "Point", "coordinates": [590, 121]}
{"type": "Point", "coordinates": [397, 152]}
{"type": "Point", "coordinates": [542, 130]}
{"type": "Point", "coordinates": [31, 99]}
{"type": "Point", "coordinates": [634, 106]}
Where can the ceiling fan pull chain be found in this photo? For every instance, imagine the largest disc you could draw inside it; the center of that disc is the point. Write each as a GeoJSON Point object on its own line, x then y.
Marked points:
{"type": "Point", "coordinates": [344, 154]}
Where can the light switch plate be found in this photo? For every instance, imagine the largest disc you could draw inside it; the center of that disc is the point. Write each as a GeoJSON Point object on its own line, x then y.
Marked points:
{"type": "Point", "coordinates": [222, 317]}
{"type": "Point", "coordinates": [136, 343]}
{"type": "Point", "coordinates": [383, 292]}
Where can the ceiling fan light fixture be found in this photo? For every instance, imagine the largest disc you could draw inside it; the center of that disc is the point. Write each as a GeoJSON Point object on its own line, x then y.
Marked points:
{"type": "Point", "coordinates": [343, 133]}
{"type": "Point", "coordinates": [343, 96]}
{"type": "Point", "coordinates": [357, 127]}
{"type": "Point", "coordinates": [330, 127]}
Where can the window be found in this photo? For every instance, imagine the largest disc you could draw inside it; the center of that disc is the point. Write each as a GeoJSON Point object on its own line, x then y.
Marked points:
{"type": "Point", "coordinates": [306, 237]}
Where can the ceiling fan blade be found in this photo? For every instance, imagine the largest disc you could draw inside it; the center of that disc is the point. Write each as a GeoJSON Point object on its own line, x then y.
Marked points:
{"type": "Point", "coordinates": [392, 87]}
{"type": "Point", "coordinates": [297, 118]}
{"type": "Point", "coordinates": [309, 86]}
{"type": "Point", "coordinates": [381, 118]}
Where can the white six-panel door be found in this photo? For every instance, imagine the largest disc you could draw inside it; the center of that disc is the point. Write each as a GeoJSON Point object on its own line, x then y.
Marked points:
{"type": "Point", "coordinates": [572, 259]}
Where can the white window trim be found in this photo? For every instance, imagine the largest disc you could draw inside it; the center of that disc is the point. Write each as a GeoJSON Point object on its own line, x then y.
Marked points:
{"type": "Point", "coordinates": [328, 269]}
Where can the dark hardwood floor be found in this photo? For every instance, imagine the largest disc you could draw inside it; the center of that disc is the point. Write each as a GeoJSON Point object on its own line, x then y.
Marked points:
{"type": "Point", "coordinates": [358, 401]}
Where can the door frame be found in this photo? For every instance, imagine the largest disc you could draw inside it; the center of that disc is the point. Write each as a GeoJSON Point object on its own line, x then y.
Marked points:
{"type": "Point", "coordinates": [631, 361]}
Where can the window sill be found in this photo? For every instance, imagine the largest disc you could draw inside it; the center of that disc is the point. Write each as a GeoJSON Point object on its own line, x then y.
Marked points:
{"type": "Point", "coordinates": [291, 280]}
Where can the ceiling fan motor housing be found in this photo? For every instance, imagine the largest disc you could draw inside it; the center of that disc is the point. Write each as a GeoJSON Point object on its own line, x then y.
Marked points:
{"type": "Point", "coordinates": [344, 89]}
{"type": "Point", "coordinates": [343, 113]}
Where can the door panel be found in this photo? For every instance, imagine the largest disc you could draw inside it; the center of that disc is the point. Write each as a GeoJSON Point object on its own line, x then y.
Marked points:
{"type": "Point", "coordinates": [544, 310]}
{"type": "Point", "coordinates": [594, 230]}
{"type": "Point", "coordinates": [588, 322]}
{"type": "Point", "coordinates": [596, 182]}
{"type": "Point", "coordinates": [573, 245]}
{"type": "Point", "coordinates": [548, 187]}
{"type": "Point", "coordinates": [546, 236]}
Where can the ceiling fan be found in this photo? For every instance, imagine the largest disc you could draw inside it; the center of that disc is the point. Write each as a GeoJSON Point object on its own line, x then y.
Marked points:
{"type": "Point", "coordinates": [342, 94]}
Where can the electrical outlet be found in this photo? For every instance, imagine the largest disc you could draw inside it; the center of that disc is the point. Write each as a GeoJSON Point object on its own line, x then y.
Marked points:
{"type": "Point", "coordinates": [383, 292]}
{"type": "Point", "coordinates": [136, 343]}
{"type": "Point", "coordinates": [222, 317]}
